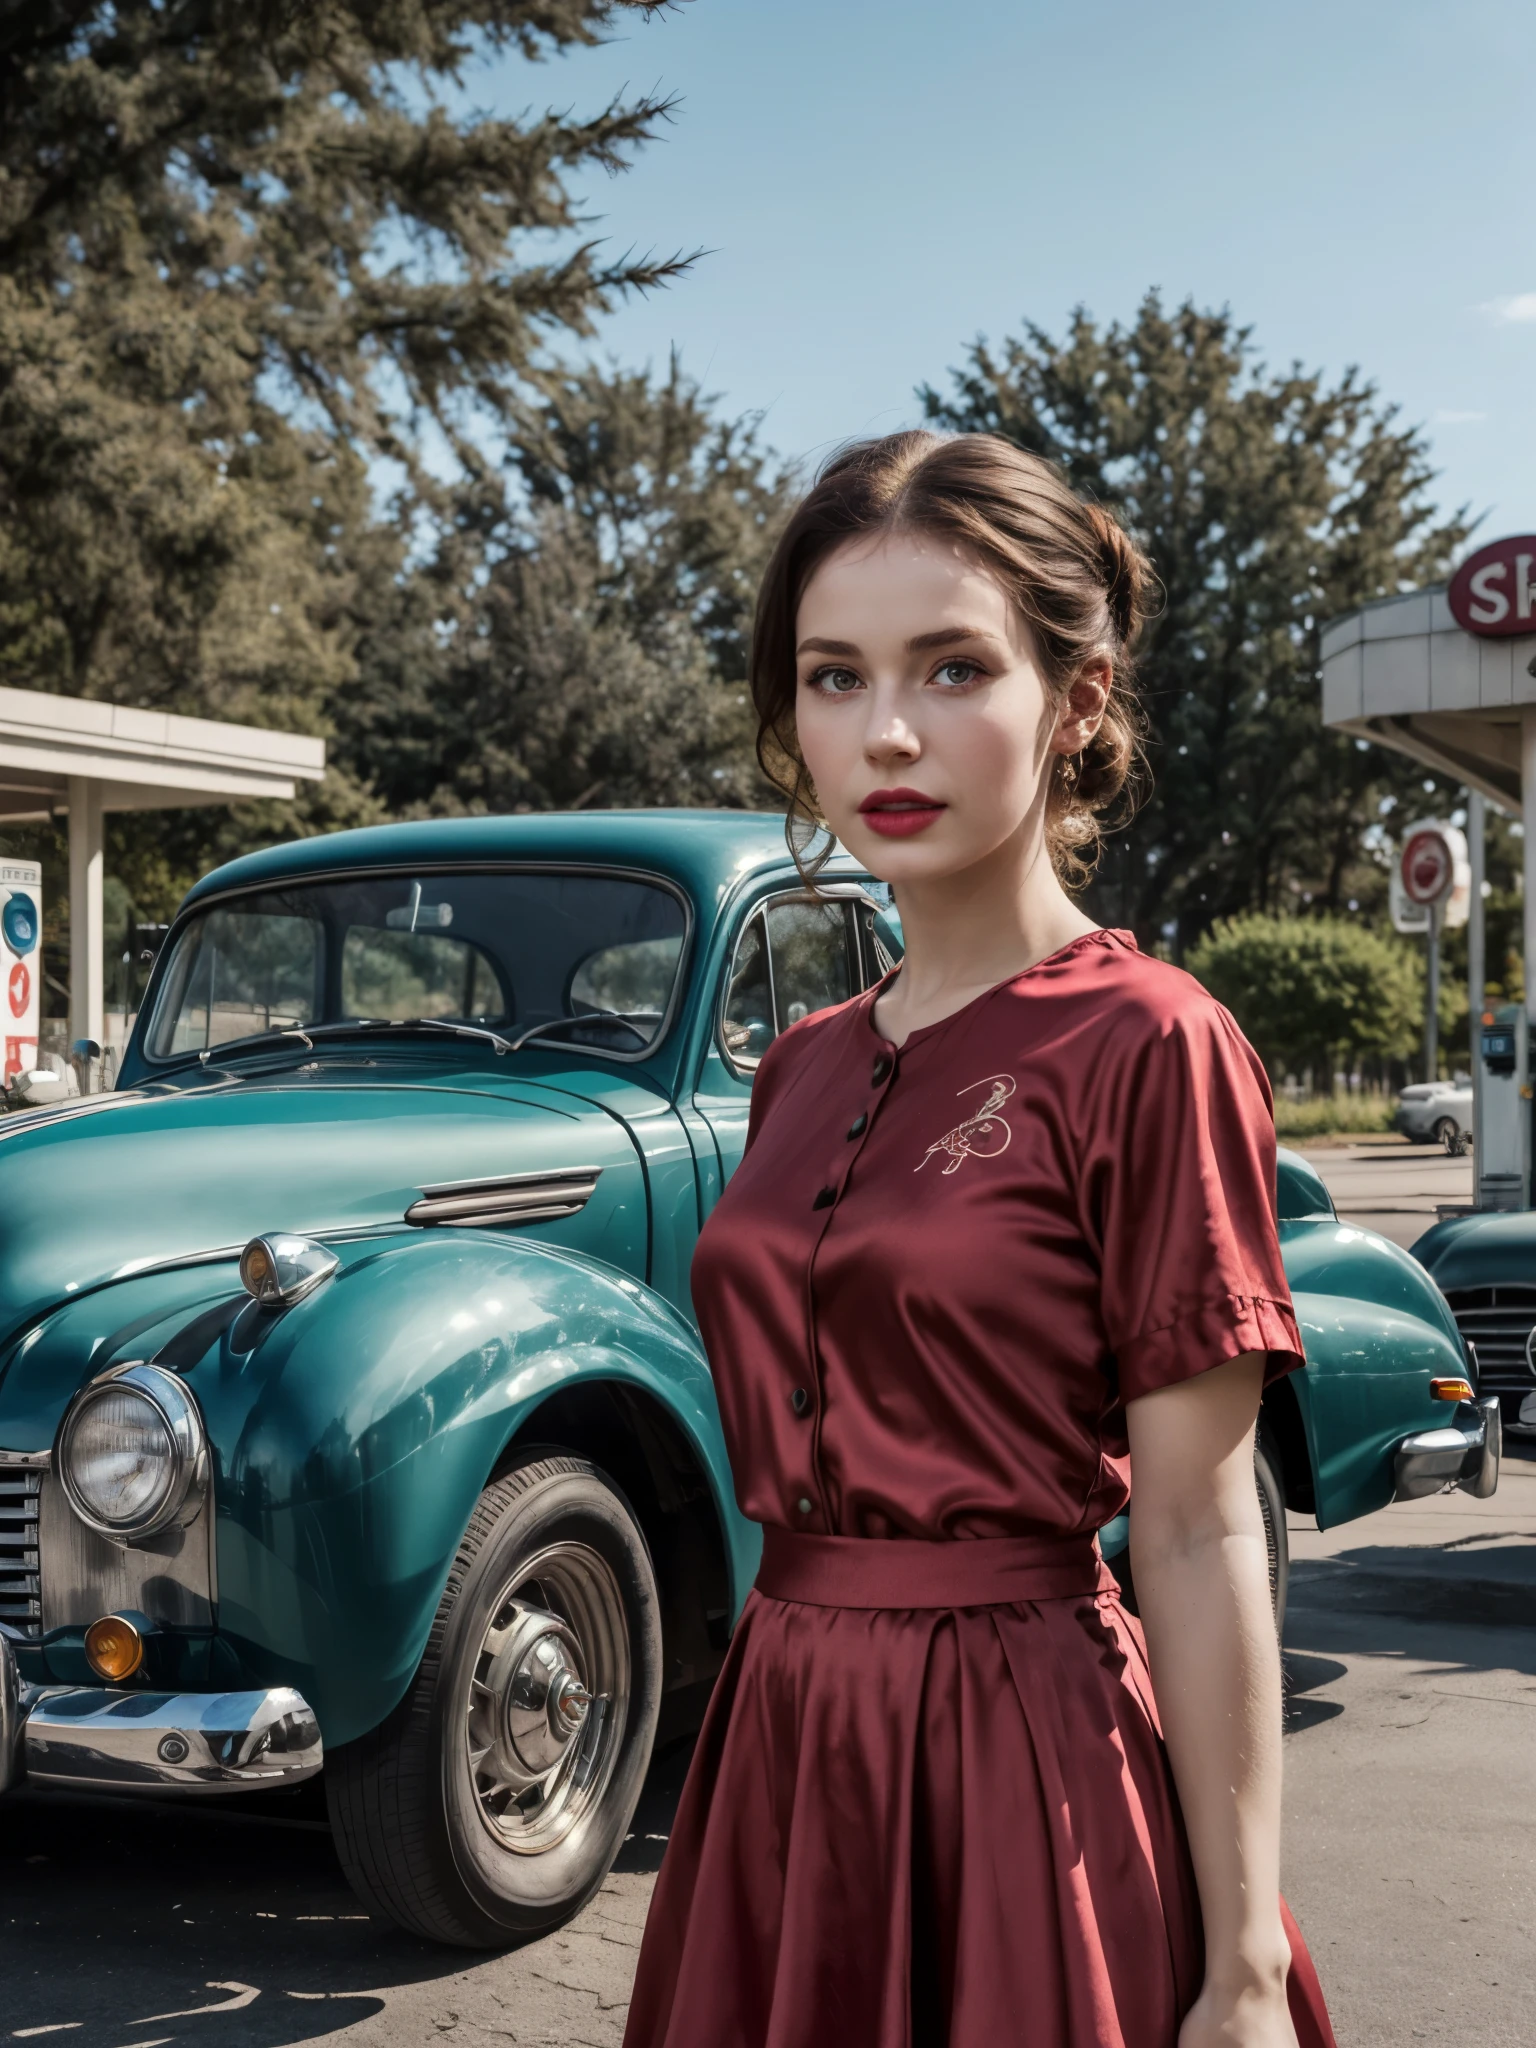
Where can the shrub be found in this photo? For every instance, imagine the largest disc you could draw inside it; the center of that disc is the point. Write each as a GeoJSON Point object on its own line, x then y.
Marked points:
{"type": "Point", "coordinates": [1312, 991]}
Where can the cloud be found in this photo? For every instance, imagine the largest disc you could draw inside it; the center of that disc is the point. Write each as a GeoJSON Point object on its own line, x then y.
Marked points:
{"type": "Point", "coordinates": [1518, 310]}
{"type": "Point", "coordinates": [1446, 418]}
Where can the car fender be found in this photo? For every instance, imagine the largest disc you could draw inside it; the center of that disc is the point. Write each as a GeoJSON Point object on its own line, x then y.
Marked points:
{"type": "Point", "coordinates": [1376, 1329]}
{"type": "Point", "coordinates": [1366, 1387]}
{"type": "Point", "coordinates": [354, 1432]}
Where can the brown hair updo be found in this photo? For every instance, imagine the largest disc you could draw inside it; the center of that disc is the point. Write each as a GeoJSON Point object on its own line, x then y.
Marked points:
{"type": "Point", "coordinates": [1074, 574]}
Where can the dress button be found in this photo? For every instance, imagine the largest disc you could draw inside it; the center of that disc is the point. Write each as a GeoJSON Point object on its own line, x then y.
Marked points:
{"type": "Point", "coordinates": [825, 1199]}
{"type": "Point", "coordinates": [803, 1505]}
{"type": "Point", "coordinates": [857, 1127]}
{"type": "Point", "coordinates": [799, 1400]}
{"type": "Point", "coordinates": [881, 1068]}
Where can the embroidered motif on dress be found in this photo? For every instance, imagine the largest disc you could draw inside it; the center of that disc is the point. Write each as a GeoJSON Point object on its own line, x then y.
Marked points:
{"type": "Point", "coordinates": [982, 1136]}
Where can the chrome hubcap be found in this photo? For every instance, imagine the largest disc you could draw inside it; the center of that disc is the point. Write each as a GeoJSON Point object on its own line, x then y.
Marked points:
{"type": "Point", "coordinates": [547, 1698]}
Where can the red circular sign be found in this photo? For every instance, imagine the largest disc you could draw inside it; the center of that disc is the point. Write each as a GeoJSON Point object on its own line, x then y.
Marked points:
{"type": "Point", "coordinates": [20, 989]}
{"type": "Point", "coordinates": [1493, 593]}
{"type": "Point", "coordinates": [1429, 867]}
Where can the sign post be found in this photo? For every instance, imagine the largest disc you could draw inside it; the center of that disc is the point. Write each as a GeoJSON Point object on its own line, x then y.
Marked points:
{"type": "Point", "coordinates": [21, 965]}
{"type": "Point", "coordinates": [1434, 868]}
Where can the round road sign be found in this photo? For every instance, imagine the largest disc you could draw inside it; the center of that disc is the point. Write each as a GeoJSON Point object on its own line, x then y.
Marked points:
{"type": "Point", "coordinates": [18, 920]}
{"type": "Point", "coordinates": [1428, 866]}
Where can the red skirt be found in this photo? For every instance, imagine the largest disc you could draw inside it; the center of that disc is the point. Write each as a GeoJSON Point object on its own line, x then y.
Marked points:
{"type": "Point", "coordinates": [930, 1805]}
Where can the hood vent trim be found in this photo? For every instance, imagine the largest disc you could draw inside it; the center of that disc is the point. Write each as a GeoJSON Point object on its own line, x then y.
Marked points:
{"type": "Point", "coordinates": [508, 1198]}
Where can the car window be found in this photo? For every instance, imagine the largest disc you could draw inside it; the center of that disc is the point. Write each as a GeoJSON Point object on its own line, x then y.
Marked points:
{"type": "Point", "coordinates": [239, 971]}
{"type": "Point", "coordinates": [417, 974]}
{"type": "Point", "coordinates": [748, 1027]}
{"type": "Point", "coordinates": [792, 959]}
{"type": "Point", "coordinates": [634, 979]}
{"type": "Point", "coordinates": [812, 960]}
{"type": "Point", "coordinates": [527, 949]}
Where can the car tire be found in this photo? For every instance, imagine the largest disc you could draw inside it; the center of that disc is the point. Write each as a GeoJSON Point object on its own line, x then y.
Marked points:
{"type": "Point", "coordinates": [1271, 1492]}
{"type": "Point", "coordinates": [1447, 1132]}
{"type": "Point", "coordinates": [489, 1806]}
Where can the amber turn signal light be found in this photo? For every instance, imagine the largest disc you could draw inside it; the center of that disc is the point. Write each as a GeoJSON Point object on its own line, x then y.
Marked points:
{"type": "Point", "coordinates": [113, 1648]}
{"type": "Point", "coordinates": [1450, 1390]}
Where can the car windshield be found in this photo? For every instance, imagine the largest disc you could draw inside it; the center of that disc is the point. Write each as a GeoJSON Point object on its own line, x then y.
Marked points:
{"type": "Point", "coordinates": [504, 951]}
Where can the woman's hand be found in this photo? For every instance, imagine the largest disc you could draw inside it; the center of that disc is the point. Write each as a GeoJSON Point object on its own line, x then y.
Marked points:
{"type": "Point", "coordinates": [1255, 2016]}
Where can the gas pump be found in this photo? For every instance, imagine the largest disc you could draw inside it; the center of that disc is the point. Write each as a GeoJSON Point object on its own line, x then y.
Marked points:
{"type": "Point", "coordinates": [21, 969]}
{"type": "Point", "coordinates": [1503, 1153]}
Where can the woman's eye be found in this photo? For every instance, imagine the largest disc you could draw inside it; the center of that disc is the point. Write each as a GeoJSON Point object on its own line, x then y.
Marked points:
{"type": "Point", "coordinates": [956, 674]}
{"type": "Point", "coordinates": [834, 682]}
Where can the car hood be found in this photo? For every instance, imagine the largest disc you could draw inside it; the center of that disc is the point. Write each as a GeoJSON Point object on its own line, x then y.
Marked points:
{"type": "Point", "coordinates": [1480, 1250]}
{"type": "Point", "coordinates": [94, 1191]}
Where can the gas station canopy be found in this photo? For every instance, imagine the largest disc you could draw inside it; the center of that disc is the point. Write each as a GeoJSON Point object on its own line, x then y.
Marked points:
{"type": "Point", "coordinates": [1448, 676]}
{"type": "Point", "coordinates": [1402, 672]}
{"type": "Point", "coordinates": [75, 757]}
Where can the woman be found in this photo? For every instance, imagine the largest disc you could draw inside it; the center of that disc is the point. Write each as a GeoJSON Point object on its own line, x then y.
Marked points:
{"type": "Point", "coordinates": [1004, 1230]}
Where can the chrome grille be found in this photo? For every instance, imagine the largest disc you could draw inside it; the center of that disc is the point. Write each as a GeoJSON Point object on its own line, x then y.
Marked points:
{"type": "Point", "coordinates": [21, 1599]}
{"type": "Point", "coordinates": [1496, 1322]}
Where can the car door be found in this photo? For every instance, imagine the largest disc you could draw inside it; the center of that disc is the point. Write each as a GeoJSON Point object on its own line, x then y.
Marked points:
{"type": "Point", "coordinates": [793, 954]}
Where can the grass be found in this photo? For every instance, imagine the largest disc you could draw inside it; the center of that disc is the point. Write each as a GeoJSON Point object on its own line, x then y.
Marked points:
{"type": "Point", "coordinates": [1321, 1116]}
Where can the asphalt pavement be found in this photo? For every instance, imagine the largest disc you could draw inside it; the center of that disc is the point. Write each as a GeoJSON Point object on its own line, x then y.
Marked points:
{"type": "Point", "coordinates": [1389, 1186]}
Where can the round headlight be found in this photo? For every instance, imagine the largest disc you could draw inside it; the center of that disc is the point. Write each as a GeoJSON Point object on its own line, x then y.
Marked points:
{"type": "Point", "coordinates": [132, 1454]}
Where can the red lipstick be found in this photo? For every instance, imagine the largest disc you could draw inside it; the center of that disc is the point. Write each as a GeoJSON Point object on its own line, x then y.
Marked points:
{"type": "Point", "coordinates": [899, 813]}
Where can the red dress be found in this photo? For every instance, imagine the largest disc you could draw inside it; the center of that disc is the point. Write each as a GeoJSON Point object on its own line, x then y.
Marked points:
{"type": "Point", "coordinates": [930, 1803]}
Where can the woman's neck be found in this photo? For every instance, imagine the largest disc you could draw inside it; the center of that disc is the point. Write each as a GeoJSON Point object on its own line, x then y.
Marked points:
{"type": "Point", "coordinates": [965, 933]}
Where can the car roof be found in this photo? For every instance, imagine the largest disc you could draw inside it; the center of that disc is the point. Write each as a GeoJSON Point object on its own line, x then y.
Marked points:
{"type": "Point", "coordinates": [707, 851]}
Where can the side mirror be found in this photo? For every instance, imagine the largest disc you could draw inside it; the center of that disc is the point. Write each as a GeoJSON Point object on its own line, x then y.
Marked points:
{"type": "Point", "coordinates": [85, 1049]}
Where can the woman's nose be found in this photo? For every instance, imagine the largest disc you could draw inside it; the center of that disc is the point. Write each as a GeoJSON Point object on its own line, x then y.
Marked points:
{"type": "Point", "coordinates": [888, 736]}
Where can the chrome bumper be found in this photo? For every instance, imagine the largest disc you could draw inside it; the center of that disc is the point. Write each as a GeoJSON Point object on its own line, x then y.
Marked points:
{"type": "Point", "coordinates": [1464, 1454]}
{"type": "Point", "coordinates": [103, 1740]}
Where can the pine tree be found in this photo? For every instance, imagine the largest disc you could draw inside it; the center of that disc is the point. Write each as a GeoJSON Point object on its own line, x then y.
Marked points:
{"type": "Point", "coordinates": [248, 251]}
{"type": "Point", "coordinates": [1268, 502]}
{"type": "Point", "coordinates": [582, 641]}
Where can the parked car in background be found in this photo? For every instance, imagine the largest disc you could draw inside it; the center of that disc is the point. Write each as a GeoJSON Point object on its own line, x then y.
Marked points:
{"type": "Point", "coordinates": [1485, 1263]}
{"type": "Point", "coordinates": [1438, 1112]}
{"type": "Point", "coordinates": [352, 1414]}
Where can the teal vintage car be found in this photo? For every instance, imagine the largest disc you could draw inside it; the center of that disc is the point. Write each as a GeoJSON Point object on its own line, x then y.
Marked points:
{"type": "Point", "coordinates": [351, 1408]}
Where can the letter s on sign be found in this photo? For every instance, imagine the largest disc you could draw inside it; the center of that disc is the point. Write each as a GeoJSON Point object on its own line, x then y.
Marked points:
{"type": "Point", "coordinates": [1489, 606]}
{"type": "Point", "coordinates": [1492, 594]}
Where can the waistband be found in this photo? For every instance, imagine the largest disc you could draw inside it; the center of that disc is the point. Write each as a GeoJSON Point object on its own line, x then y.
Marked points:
{"type": "Point", "coordinates": [981, 1571]}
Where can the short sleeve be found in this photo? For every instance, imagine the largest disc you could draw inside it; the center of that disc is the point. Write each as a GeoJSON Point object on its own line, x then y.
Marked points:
{"type": "Point", "coordinates": [1191, 1273]}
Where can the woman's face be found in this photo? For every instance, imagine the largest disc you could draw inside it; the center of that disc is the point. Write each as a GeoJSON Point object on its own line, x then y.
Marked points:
{"type": "Point", "coordinates": [922, 713]}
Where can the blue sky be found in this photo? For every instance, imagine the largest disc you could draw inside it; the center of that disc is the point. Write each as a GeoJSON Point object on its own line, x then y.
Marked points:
{"type": "Point", "coordinates": [879, 180]}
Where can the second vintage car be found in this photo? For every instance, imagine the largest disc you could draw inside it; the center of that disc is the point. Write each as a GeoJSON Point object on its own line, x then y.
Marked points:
{"type": "Point", "coordinates": [352, 1414]}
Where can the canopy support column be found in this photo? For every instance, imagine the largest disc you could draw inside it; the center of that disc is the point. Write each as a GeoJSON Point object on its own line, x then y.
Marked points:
{"type": "Point", "coordinates": [87, 991]}
{"type": "Point", "coordinates": [1477, 961]}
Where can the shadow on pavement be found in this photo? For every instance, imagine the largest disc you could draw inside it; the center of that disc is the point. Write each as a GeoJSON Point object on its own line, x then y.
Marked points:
{"type": "Point", "coordinates": [132, 1926]}
{"type": "Point", "coordinates": [646, 1842]}
{"type": "Point", "coordinates": [122, 1923]}
{"type": "Point", "coordinates": [1302, 1674]}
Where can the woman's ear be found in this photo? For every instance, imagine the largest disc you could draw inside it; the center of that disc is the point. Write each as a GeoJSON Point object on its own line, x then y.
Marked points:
{"type": "Point", "coordinates": [1082, 709]}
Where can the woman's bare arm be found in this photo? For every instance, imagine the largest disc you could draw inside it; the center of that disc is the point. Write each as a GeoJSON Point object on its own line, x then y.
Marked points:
{"type": "Point", "coordinates": [1202, 1585]}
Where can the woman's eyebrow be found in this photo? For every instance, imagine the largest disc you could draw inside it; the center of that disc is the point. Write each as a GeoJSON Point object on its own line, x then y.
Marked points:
{"type": "Point", "coordinates": [948, 636]}
{"type": "Point", "coordinates": [923, 643]}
